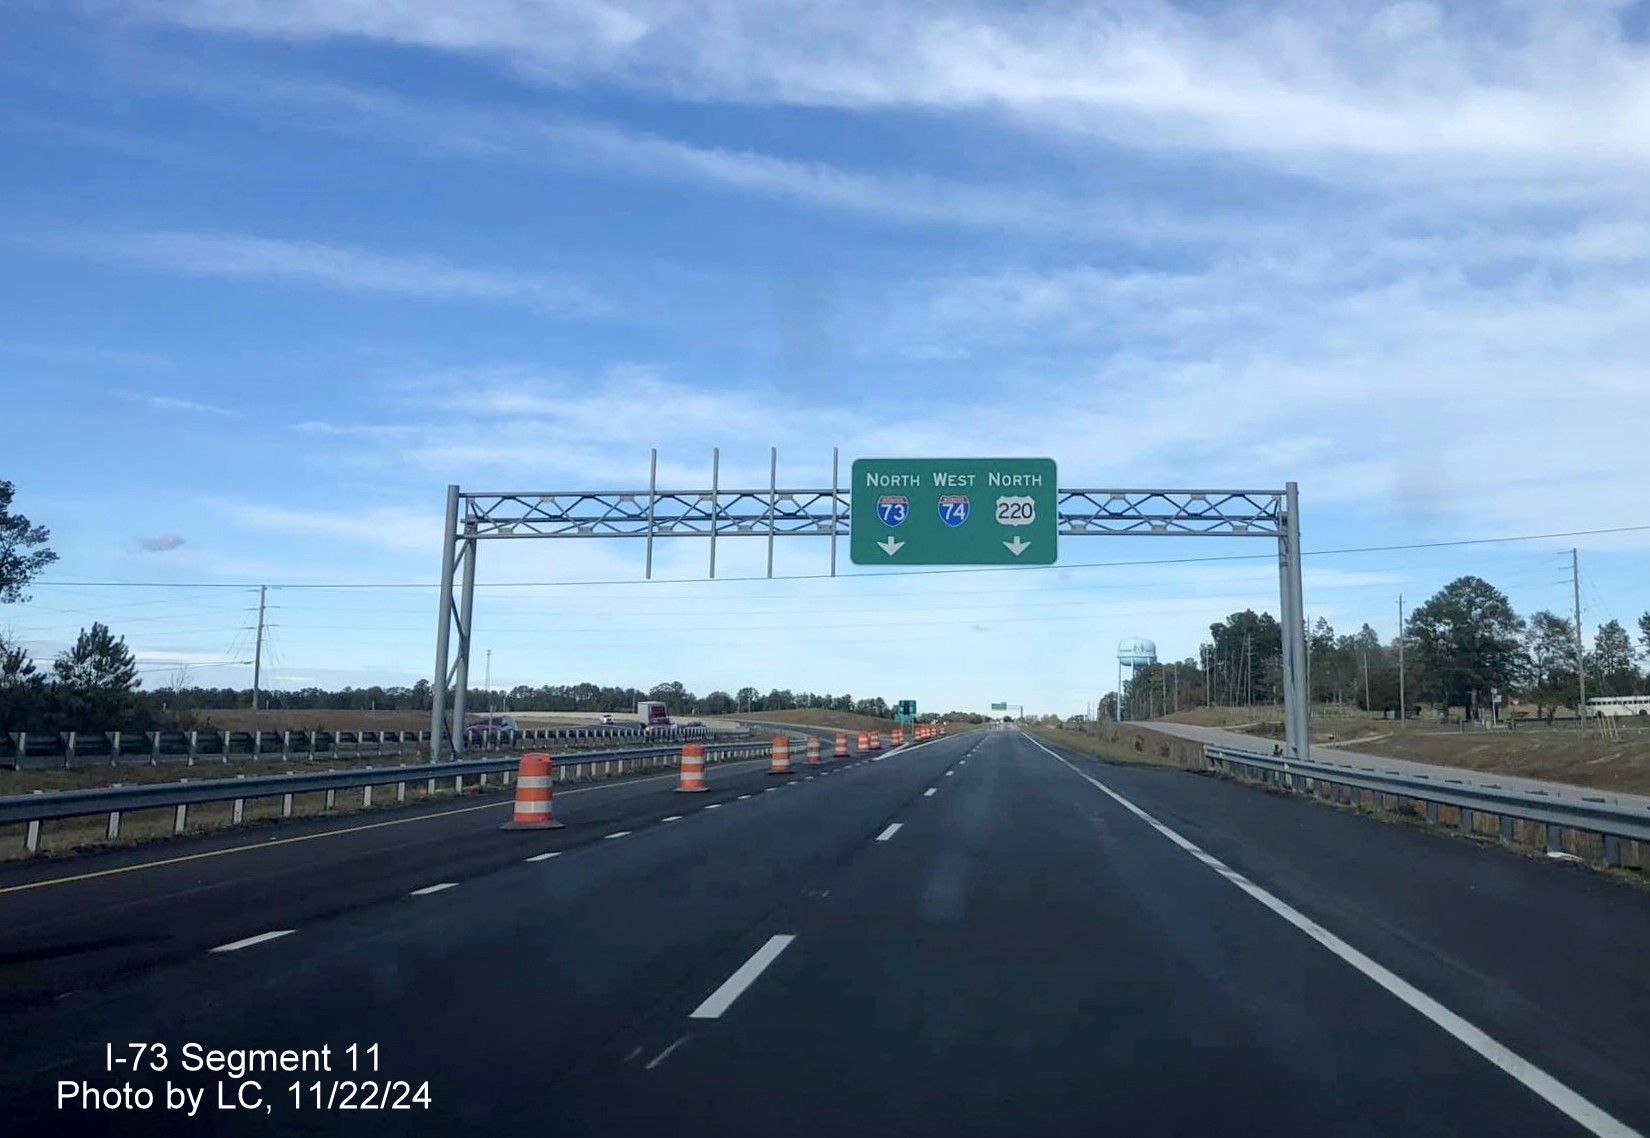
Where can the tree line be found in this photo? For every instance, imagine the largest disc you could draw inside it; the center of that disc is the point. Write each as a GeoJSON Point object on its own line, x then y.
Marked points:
{"type": "Point", "coordinates": [1460, 648]}
{"type": "Point", "coordinates": [95, 686]}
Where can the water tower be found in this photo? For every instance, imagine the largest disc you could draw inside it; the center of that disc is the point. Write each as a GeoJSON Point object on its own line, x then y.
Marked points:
{"type": "Point", "coordinates": [1134, 653]}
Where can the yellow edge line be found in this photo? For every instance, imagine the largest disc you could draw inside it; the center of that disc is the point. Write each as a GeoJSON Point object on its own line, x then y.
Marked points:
{"type": "Point", "coordinates": [271, 844]}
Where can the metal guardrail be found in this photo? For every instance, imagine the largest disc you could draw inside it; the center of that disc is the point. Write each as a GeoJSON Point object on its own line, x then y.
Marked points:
{"type": "Point", "coordinates": [21, 750]}
{"type": "Point", "coordinates": [1592, 814]}
{"type": "Point", "coordinates": [41, 806]}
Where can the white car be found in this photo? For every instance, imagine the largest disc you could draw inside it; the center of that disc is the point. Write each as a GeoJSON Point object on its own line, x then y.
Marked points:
{"type": "Point", "coordinates": [606, 720]}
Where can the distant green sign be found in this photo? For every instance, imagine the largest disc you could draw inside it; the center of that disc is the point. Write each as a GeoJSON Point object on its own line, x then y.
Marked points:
{"type": "Point", "coordinates": [999, 707]}
{"type": "Point", "coordinates": [953, 511]}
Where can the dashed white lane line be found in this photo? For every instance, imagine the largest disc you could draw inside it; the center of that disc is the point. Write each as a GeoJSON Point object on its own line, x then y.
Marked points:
{"type": "Point", "coordinates": [428, 889]}
{"type": "Point", "coordinates": [671, 818]}
{"type": "Point", "coordinates": [545, 856]}
{"type": "Point", "coordinates": [237, 945]}
{"type": "Point", "coordinates": [713, 806]}
{"type": "Point", "coordinates": [742, 797]}
{"type": "Point", "coordinates": [929, 793]}
{"type": "Point", "coordinates": [769, 789]}
{"type": "Point", "coordinates": [948, 774]}
{"type": "Point", "coordinates": [893, 828]}
{"type": "Point", "coordinates": [617, 834]}
{"type": "Point", "coordinates": [1566, 1101]}
{"type": "Point", "coordinates": [734, 986]}
{"type": "Point", "coordinates": [665, 1054]}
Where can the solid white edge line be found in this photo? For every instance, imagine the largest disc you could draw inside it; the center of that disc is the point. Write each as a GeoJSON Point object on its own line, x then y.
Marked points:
{"type": "Point", "coordinates": [237, 945]}
{"type": "Point", "coordinates": [734, 986]}
{"type": "Point", "coordinates": [893, 828]}
{"type": "Point", "coordinates": [1572, 1105]}
{"type": "Point", "coordinates": [428, 889]}
{"type": "Point", "coordinates": [545, 856]}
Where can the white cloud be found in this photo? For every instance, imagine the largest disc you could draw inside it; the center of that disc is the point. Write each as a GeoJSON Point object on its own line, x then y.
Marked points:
{"type": "Point", "coordinates": [168, 403]}
{"type": "Point", "coordinates": [336, 266]}
{"type": "Point", "coordinates": [1498, 88]}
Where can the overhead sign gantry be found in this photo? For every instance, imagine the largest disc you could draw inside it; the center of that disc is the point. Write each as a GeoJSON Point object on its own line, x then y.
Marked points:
{"type": "Point", "coordinates": [1023, 516]}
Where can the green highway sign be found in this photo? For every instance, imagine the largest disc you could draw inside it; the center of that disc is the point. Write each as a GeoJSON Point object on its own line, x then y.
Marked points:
{"type": "Point", "coordinates": [999, 707]}
{"type": "Point", "coordinates": [953, 511]}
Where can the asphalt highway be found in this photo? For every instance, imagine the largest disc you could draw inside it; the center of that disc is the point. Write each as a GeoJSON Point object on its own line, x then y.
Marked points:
{"type": "Point", "coordinates": [977, 935]}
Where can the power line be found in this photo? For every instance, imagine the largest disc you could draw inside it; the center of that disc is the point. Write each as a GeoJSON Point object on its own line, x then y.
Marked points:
{"type": "Point", "coordinates": [1059, 566]}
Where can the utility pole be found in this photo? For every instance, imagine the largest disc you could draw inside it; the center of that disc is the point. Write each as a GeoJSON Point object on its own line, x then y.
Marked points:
{"type": "Point", "coordinates": [1249, 673]}
{"type": "Point", "coordinates": [1366, 680]}
{"type": "Point", "coordinates": [1401, 639]}
{"type": "Point", "coordinates": [1581, 654]}
{"type": "Point", "coordinates": [487, 680]}
{"type": "Point", "coordinates": [258, 653]}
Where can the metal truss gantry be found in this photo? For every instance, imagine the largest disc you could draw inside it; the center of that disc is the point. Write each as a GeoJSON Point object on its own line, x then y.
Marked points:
{"type": "Point", "coordinates": [774, 512]}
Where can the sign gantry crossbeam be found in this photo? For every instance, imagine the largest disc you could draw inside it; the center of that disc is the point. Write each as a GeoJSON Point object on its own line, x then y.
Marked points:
{"type": "Point", "coordinates": [825, 513]}
{"type": "Point", "coordinates": [774, 512]}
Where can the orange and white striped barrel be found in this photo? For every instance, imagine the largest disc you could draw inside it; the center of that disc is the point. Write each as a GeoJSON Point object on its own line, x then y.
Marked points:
{"type": "Point", "coordinates": [899, 736]}
{"type": "Point", "coordinates": [813, 751]}
{"type": "Point", "coordinates": [781, 755]}
{"type": "Point", "coordinates": [693, 768]}
{"type": "Point", "coordinates": [864, 742]}
{"type": "Point", "coordinates": [841, 751]}
{"type": "Point", "coordinates": [534, 788]}
{"type": "Point", "coordinates": [876, 741]}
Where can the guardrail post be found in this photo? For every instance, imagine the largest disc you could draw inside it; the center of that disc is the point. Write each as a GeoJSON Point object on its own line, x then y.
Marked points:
{"type": "Point", "coordinates": [68, 751]}
{"type": "Point", "coordinates": [400, 792]}
{"type": "Point", "coordinates": [22, 750]}
{"type": "Point", "coordinates": [114, 748]}
{"type": "Point", "coordinates": [1612, 850]}
{"type": "Point", "coordinates": [483, 781]}
{"type": "Point", "coordinates": [1554, 837]}
{"type": "Point", "coordinates": [310, 738]}
{"type": "Point", "coordinates": [1506, 831]}
{"type": "Point", "coordinates": [286, 746]}
{"type": "Point", "coordinates": [430, 790]}
{"type": "Point", "coordinates": [154, 748]}
{"type": "Point", "coordinates": [257, 743]}
{"type": "Point", "coordinates": [114, 823]}
{"type": "Point", "coordinates": [366, 797]}
{"type": "Point", "coordinates": [286, 805]}
{"type": "Point", "coordinates": [223, 746]}
{"type": "Point", "coordinates": [1432, 813]}
{"type": "Point", "coordinates": [31, 839]}
{"type": "Point", "coordinates": [332, 799]}
{"type": "Point", "coordinates": [194, 745]}
{"type": "Point", "coordinates": [240, 807]}
{"type": "Point", "coordinates": [180, 818]}
{"type": "Point", "coordinates": [458, 784]}
{"type": "Point", "coordinates": [1466, 820]}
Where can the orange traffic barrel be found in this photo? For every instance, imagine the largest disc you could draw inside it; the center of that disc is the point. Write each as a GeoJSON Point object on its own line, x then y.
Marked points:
{"type": "Point", "coordinates": [864, 742]}
{"type": "Point", "coordinates": [533, 792]}
{"type": "Point", "coordinates": [693, 768]}
{"type": "Point", "coordinates": [876, 741]}
{"type": "Point", "coordinates": [813, 751]}
{"type": "Point", "coordinates": [899, 736]}
{"type": "Point", "coordinates": [841, 751]}
{"type": "Point", "coordinates": [781, 755]}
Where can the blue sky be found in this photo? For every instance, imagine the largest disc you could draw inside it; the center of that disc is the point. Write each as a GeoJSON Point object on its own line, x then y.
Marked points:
{"type": "Point", "coordinates": [277, 271]}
